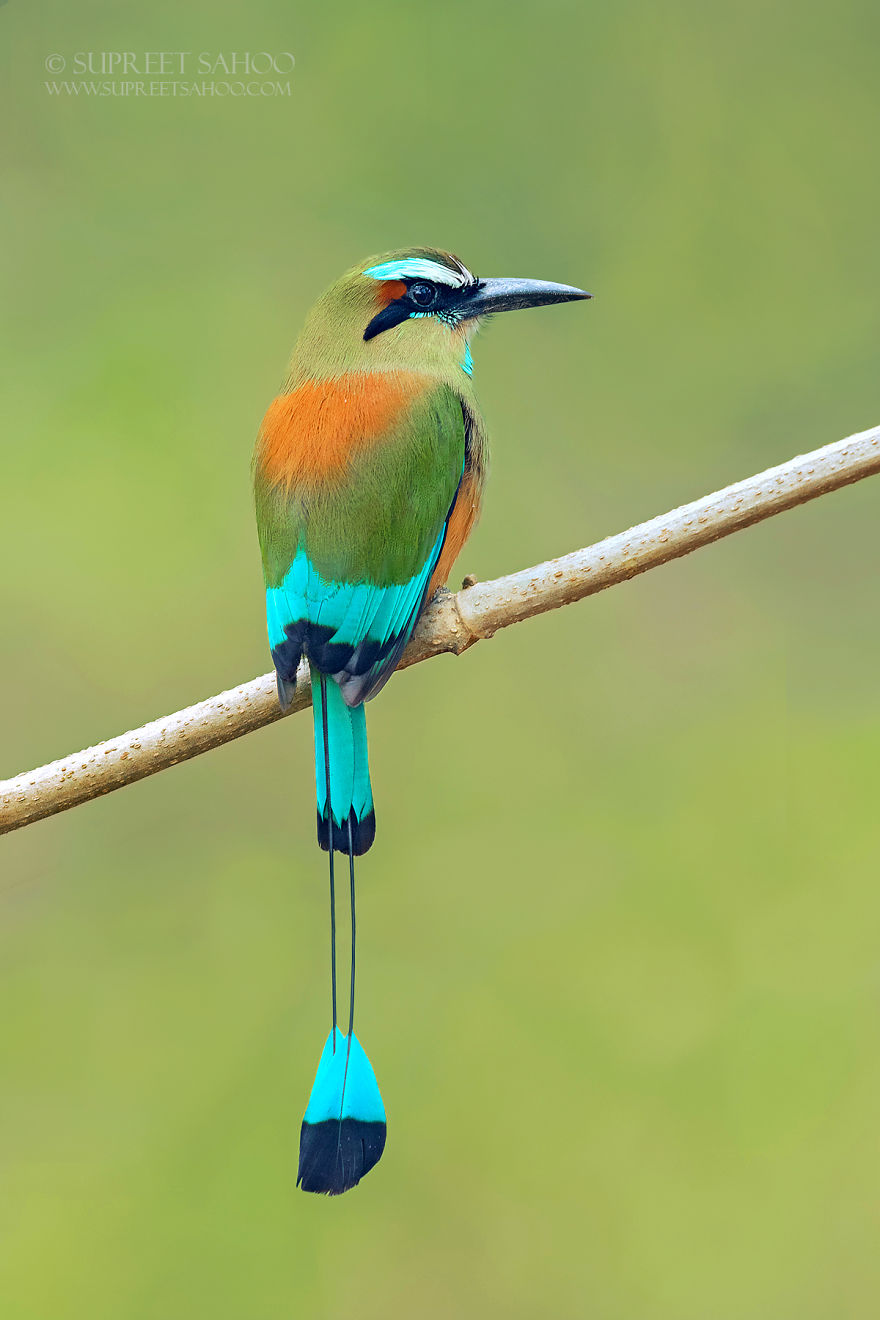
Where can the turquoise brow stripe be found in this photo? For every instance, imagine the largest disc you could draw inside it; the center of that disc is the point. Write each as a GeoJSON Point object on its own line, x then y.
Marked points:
{"type": "Point", "coordinates": [416, 268]}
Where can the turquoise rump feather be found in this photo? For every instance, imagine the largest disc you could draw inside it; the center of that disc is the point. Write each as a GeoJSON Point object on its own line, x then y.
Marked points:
{"type": "Point", "coordinates": [368, 474]}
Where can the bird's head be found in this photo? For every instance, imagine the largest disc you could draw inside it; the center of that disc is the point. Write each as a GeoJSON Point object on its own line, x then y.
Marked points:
{"type": "Point", "coordinates": [412, 310]}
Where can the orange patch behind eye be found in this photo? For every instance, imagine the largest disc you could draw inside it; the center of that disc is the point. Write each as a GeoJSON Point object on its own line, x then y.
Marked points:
{"type": "Point", "coordinates": [389, 291]}
{"type": "Point", "coordinates": [309, 435]}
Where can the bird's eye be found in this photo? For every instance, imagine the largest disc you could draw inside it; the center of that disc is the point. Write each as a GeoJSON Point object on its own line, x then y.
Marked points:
{"type": "Point", "coordinates": [423, 295]}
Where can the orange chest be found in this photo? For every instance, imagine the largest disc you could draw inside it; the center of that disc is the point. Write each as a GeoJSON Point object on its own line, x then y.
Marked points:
{"type": "Point", "coordinates": [311, 434]}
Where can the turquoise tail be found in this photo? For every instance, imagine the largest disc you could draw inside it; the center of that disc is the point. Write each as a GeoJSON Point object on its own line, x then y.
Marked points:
{"type": "Point", "coordinates": [343, 1132]}
{"type": "Point", "coordinates": [351, 798]}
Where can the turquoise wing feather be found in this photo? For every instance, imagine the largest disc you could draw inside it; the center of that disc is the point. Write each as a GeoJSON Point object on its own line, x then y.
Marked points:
{"type": "Point", "coordinates": [349, 630]}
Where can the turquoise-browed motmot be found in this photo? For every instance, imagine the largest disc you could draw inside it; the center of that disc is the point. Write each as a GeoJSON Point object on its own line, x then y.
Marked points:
{"type": "Point", "coordinates": [368, 475]}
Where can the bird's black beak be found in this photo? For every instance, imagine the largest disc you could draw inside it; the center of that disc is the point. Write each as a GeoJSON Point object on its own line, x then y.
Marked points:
{"type": "Point", "coordinates": [504, 295]}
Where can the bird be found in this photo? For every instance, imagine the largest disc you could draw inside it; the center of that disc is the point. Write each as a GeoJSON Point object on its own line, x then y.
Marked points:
{"type": "Point", "coordinates": [368, 474]}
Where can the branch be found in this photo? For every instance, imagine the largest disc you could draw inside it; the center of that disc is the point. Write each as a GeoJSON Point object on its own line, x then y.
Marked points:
{"type": "Point", "coordinates": [450, 623]}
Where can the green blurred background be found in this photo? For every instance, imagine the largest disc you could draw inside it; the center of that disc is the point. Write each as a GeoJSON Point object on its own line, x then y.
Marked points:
{"type": "Point", "coordinates": [620, 936]}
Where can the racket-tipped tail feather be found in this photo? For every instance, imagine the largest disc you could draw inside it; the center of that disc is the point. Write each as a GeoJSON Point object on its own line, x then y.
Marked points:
{"type": "Point", "coordinates": [343, 1131]}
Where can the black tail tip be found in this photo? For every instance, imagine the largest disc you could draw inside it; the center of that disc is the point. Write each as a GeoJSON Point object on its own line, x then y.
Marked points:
{"type": "Point", "coordinates": [363, 832]}
{"type": "Point", "coordinates": [334, 1155]}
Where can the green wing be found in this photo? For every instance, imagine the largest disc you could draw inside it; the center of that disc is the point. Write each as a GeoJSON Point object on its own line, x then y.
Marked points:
{"type": "Point", "coordinates": [347, 567]}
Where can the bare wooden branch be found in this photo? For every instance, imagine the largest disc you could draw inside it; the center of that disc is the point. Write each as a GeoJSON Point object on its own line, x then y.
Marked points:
{"type": "Point", "coordinates": [451, 623]}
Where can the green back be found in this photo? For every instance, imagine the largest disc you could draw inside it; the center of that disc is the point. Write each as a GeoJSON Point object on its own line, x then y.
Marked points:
{"type": "Point", "coordinates": [378, 523]}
